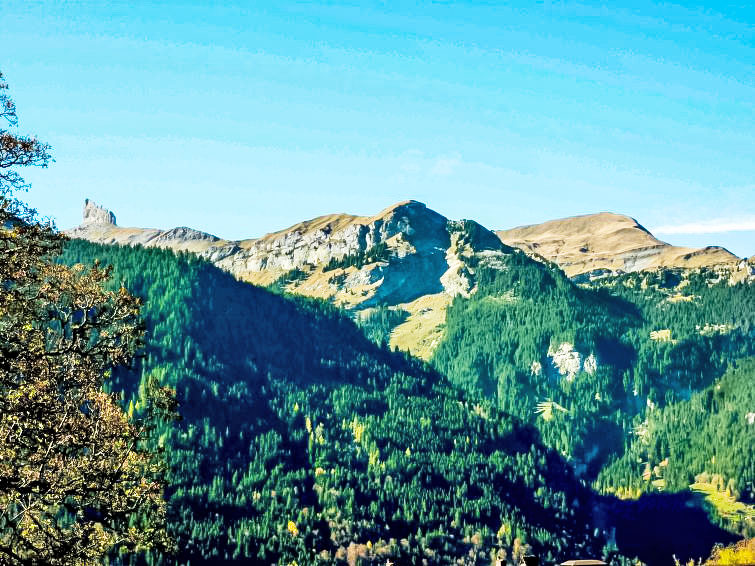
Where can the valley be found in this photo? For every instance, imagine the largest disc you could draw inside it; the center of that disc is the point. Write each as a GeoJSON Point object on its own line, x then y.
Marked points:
{"type": "Point", "coordinates": [601, 371]}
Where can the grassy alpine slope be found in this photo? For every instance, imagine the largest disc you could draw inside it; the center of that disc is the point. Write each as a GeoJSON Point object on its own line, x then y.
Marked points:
{"type": "Point", "coordinates": [302, 442]}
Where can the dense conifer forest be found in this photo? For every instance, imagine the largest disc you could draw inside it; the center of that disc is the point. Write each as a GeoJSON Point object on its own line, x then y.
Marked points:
{"type": "Point", "coordinates": [655, 339]}
{"type": "Point", "coordinates": [304, 440]}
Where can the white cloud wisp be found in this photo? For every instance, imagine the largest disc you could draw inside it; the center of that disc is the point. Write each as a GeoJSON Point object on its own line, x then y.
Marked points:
{"type": "Point", "coordinates": [713, 226]}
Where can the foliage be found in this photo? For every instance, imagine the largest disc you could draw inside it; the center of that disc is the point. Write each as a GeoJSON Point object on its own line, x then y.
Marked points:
{"type": "Point", "coordinates": [379, 322]}
{"type": "Point", "coordinates": [498, 342]}
{"type": "Point", "coordinates": [16, 150]}
{"type": "Point", "coordinates": [74, 471]}
{"type": "Point", "coordinates": [694, 420]}
{"type": "Point", "coordinates": [291, 276]}
{"type": "Point", "coordinates": [740, 554]}
{"type": "Point", "coordinates": [292, 416]}
{"type": "Point", "coordinates": [707, 438]}
{"type": "Point", "coordinates": [502, 341]}
{"type": "Point", "coordinates": [378, 252]}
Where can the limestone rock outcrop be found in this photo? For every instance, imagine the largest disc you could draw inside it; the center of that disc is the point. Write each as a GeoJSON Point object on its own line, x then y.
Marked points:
{"type": "Point", "coordinates": [566, 362]}
{"type": "Point", "coordinates": [95, 214]}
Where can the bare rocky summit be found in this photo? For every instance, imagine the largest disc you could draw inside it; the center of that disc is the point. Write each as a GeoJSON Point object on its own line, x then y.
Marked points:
{"type": "Point", "coordinates": [99, 225]}
{"type": "Point", "coordinates": [95, 214]}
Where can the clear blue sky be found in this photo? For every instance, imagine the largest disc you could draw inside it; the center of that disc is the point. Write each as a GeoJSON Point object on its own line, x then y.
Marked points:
{"type": "Point", "coordinates": [241, 120]}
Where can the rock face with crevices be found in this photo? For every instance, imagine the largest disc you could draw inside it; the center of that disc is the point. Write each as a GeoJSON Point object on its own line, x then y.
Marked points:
{"type": "Point", "coordinates": [95, 214]}
{"type": "Point", "coordinates": [394, 259]}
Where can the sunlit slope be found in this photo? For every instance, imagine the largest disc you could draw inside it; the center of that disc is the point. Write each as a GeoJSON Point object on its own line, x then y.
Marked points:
{"type": "Point", "coordinates": [608, 242]}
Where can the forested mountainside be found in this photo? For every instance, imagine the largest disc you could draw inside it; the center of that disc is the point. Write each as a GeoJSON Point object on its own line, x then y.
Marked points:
{"type": "Point", "coordinates": [411, 260]}
{"type": "Point", "coordinates": [582, 362]}
{"type": "Point", "coordinates": [706, 441]}
{"type": "Point", "coordinates": [697, 366]}
{"type": "Point", "coordinates": [302, 442]}
{"type": "Point", "coordinates": [622, 376]}
{"type": "Point", "coordinates": [590, 366]}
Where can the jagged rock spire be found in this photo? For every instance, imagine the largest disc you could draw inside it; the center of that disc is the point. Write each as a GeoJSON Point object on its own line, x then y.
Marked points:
{"type": "Point", "coordinates": [96, 214]}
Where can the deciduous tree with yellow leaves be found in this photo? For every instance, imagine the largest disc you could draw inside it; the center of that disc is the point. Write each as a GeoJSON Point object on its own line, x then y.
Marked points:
{"type": "Point", "coordinates": [77, 477]}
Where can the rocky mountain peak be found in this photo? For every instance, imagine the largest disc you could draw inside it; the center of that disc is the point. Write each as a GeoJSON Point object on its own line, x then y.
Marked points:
{"type": "Point", "coordinates": [96, 214]}
{"type": "Point", "coordinates": [405, 206]}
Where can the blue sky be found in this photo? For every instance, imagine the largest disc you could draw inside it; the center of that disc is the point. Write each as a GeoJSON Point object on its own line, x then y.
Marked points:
{"type": "Point", "coordinates": [243, 118]}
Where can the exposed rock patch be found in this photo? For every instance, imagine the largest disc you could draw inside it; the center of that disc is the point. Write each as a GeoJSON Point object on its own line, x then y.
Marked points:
{"type": "Point", "coordinates": [95, 214]}
{"type": "Point", "coordinates": [566, 362]}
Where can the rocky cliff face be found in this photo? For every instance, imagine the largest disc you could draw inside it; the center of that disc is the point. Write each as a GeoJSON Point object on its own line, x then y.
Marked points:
{"type": "Point", "coordinates": [407, 257]}
{"type": "Point", "coordinates": [95, 214]}
{"type": "Point", "coordinates": [410, 238]}
{"type": "Point", "coordinates": [596, 244]}
{"type": "Point", "coordinates": [411, 258]}
{"type": "Point", "coordinates": [404, 252]}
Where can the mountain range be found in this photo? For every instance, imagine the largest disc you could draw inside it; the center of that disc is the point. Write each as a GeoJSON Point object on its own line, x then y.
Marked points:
{"type": "Point", "coordinates": [413, 260]}
{"type": "Point", "coordinates": [577, 376]}
{"type": "Point", "coordinates": [589, 244]}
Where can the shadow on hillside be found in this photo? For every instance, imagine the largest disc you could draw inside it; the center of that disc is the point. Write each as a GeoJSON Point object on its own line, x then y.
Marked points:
{"type": "Point", "coordinates": [297, 338]}
{"type": "Point", "coordinates": [409, 278]}
{"type": "Point", "coordinates": [657, 527]}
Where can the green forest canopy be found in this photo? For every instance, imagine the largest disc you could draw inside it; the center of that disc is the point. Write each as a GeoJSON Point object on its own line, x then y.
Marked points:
{"type": "Point", "coordinates": [303, 442]}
